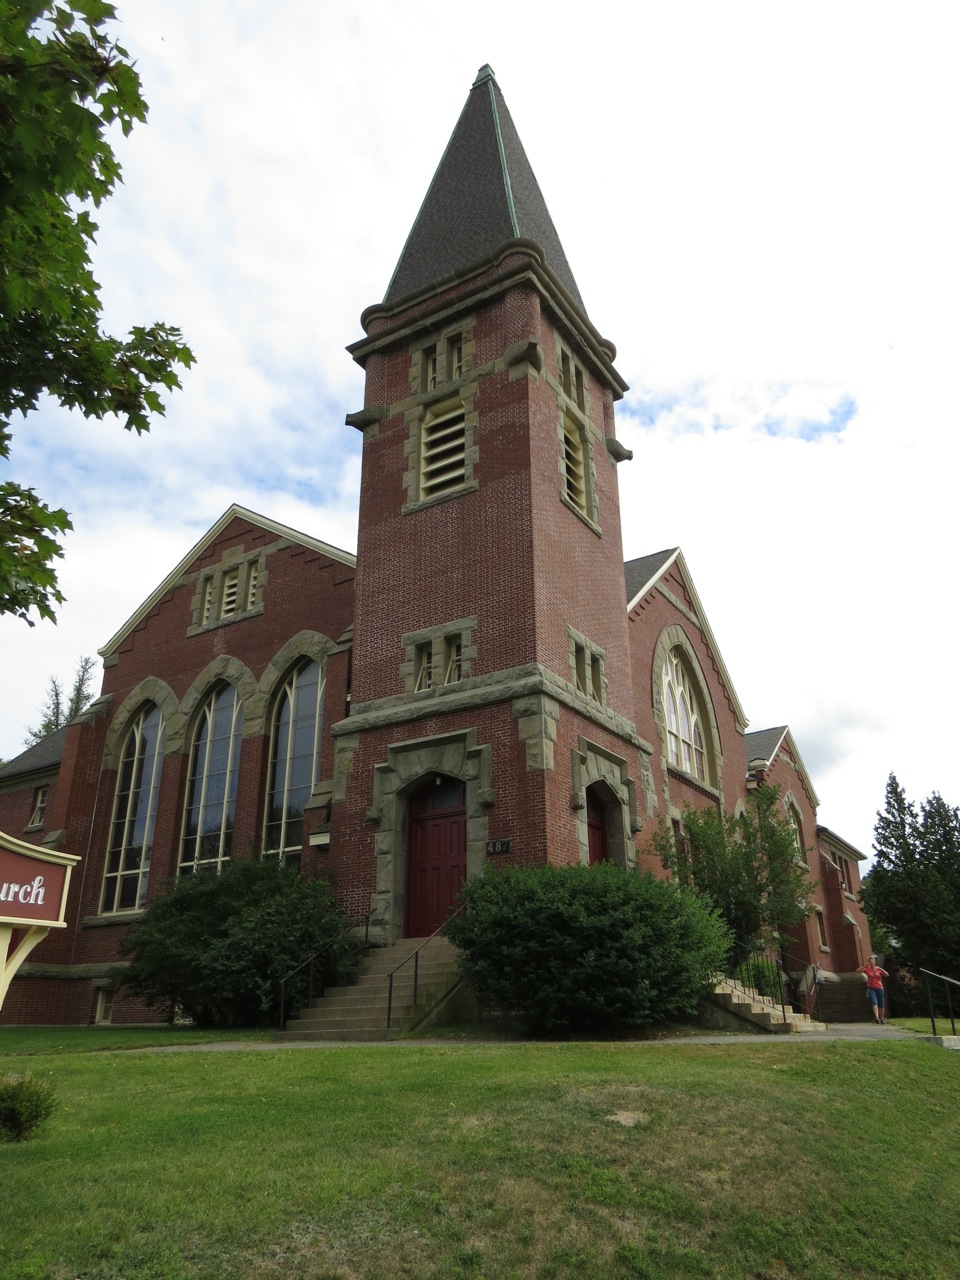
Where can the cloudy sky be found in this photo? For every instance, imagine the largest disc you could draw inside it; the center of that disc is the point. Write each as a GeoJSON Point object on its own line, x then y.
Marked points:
{"type": "Point", "coordinates": [760, 204]}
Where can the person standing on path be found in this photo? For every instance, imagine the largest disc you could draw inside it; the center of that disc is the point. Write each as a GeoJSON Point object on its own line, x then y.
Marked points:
{"type": "Point", "coordinates": [875, 994]}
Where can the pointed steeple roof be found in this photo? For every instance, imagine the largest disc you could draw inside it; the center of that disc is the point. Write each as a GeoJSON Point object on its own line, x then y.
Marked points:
{"type": "Point", "coordinates": [483, 194]}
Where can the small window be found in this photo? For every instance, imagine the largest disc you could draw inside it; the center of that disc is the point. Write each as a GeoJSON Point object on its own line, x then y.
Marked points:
{"type": "Point", "coordinates": [424, 661]}
{"type": "Point", "coordinates": [443, 452]}
{"type": "Point", "coordinates": [452, 660]}
{"type": "Point", "coordinates": [455, 358]}
{"type": "Point", "coordinates": [228, 595]}
{"type": "Point", "coordinates": [252, 580]}
{"type": "Point", "coordinates": [207, 615]}
{"type": "Point", "coordinates": [586, 664]}
{"type": "Point", "coordinates": [104, 1014]}
{"type": "Point", "coordinates": [821, 929]}
{"type": "Point", "coordinates": [574, 465]}
{"type": "Point", "coordinates": [39, 806]}
{"type": "Point", "coordinates": [429, 376]}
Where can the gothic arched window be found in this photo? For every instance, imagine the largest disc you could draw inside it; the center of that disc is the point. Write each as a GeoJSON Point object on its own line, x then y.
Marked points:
{"type": "Point", "coordinates": [212, 781]}
{"type": "Point", "coordinates": [686, 723]}
{"type": "Point", "coordinates": [127, 869]}
{"type": "Point", "coordinates": [295, 744]}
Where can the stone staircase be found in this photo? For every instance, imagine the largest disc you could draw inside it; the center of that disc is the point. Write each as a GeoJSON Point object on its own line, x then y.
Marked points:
{"type": "Point", "coordinates": [747, 1006]}
{"type": "Point", "coordinates": [359, 1012]}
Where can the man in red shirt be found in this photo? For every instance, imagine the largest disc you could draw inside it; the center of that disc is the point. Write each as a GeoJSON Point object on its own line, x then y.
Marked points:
{"type": "Point", "coordinates": [875, 995]}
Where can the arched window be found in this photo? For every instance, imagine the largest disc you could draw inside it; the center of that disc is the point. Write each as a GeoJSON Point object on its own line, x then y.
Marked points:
{"type": "Point", "coordinates": [685, 725]}
{"type": "Point", "coordinates": [212, 782]}
{"type": "Point", "coordinates": [295, 743]}
{"type": "Point", "coordinates": [134, 813]}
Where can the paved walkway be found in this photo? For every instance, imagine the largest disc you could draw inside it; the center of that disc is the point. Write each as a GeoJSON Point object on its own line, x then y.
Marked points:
{"type": "Point", "coordinates": [835, 1031]}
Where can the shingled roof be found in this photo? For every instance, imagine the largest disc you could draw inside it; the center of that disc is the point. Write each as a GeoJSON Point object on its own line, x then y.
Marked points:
{"type": "Point", "coordinates": [639, 574]}
{"type": "Point", "coordinates": [45, 754]}
{"type": "Point", "coordinates": [483, 194]}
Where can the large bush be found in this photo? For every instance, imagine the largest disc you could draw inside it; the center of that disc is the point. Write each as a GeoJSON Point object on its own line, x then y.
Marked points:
{"type": "Point", "coordinates": [586, 949]}
{"type": "Point", "coordinates": [217, 946]}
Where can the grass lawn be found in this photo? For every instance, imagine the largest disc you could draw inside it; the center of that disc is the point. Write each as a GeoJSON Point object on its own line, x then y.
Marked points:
{"type": "Point", "coordinates": [649, 1160]}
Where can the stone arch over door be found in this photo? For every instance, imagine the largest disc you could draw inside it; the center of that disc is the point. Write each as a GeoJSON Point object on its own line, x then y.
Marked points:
{"type": "Point", "coordinates": [408, 766]}
{"type": "Point", "coordinates": [607, 777]}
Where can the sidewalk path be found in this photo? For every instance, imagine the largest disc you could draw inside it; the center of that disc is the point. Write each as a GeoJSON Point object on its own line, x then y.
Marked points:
{"type": "Point", "coordinates": [836, 1031]}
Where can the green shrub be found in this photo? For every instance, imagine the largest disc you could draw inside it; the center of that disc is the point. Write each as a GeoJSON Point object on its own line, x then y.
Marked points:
{"type": "Point", "coordinates": [586, 949]}
{"type": "Point", "coordinates": [26, 1101]}
{"type": "Point", "coordinates": [215, 947]}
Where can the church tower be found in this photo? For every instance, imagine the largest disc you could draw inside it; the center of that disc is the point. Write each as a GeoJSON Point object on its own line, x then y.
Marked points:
{"type": "Point", "coordinates": [491, 715]}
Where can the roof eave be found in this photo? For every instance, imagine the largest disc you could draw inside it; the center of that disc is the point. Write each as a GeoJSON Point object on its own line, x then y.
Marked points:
{"type": "Point", "coordinates": [233, 512]}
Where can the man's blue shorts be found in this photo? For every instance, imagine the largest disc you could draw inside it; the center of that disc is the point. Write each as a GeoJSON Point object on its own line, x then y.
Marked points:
{"type": "Point", "coordinates": [875, 996]}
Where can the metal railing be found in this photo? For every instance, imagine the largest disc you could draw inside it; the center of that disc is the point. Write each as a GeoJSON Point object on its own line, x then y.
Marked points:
{"type": "Point", "coordinates": [757, 973]}
{"type": "Point", "coordinates": [310, 960]}
{"type": "Point", "coordinates": [947, 984]}
{"type": "Point", "coordinates": [766, 972]}
{"type": "Point", "coordinates": [415, 957]}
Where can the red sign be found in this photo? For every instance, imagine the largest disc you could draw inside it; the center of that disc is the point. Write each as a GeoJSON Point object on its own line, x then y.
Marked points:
{"type": "Point", "coordinates": [33, 885]}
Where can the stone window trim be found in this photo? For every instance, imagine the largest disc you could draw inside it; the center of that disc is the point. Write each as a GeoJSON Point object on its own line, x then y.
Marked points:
{"type": "Point", "coordinates": [441, 361]}
{"type": "Point", "coordinates": [228, 592]}
{"type": "Point", "coordinates": [438, 657]}
{"type": "Point", "coordinates": [457, 755]}
{"type": "Point", "coordinates": [587, 663]}
{"type": "Point", "coordinates": [440, 451]}
{"type": "Point", "coordinates": [577, 466]}
{"type": "Point", "coordinates": [593, 764]}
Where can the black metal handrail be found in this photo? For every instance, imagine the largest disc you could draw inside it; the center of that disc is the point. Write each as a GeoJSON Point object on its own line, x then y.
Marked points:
{"type": "Point", "coordinates": [947, 984]}
{"type": "Point", "coordinates": [415, 957]}
{"type": "Point", "coordinates": [755, 964]}
{"type": "Point", "coordinates": [350, 924]}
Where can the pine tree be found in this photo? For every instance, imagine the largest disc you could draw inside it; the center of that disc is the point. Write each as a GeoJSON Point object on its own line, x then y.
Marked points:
{"type": "Point", "coordinates": [913, 890]}
{"type": "Point", "coordinates": [58, 710]}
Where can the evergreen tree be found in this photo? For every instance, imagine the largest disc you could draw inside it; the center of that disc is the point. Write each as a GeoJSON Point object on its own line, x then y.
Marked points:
{"type": "Point", "coordinates": [57, 710]}
{"type": "Point", "coordinates": [913, 890]}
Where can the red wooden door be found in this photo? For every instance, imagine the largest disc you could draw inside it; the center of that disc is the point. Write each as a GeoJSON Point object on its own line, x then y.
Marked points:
{"type": "Point", "coordinates": [436, 853]}
{"type": "Point", "coordinates": [597, 842]}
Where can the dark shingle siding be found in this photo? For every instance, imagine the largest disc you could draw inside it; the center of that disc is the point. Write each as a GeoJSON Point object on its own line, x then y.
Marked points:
{"type": "Point", "coordinates": [637, 573]}
{"type": "Point", "coordinates": [761, 744]}
{"type": "Point", "coordinates": [45, 754]}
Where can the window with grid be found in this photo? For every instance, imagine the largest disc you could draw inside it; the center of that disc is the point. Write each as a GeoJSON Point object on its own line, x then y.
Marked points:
{"type": "Point", "coordinates": [295, 745]}
{"type": "Point", "coordinates": [127, 871]}
{"type": "Point", "coordinates": [212, 782]}
{"type": "Point", "coordinates": [686, 743]}
{"type": "Point", "coordinates": [443, 451]}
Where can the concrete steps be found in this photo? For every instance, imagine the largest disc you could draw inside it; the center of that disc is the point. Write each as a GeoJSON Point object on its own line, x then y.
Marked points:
{"type": "Point", "coordinates": [359, 1012]}
{"type": "Point", "coordinates": [749, 1006]}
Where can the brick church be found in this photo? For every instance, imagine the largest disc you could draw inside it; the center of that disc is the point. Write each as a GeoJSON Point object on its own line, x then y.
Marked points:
{"type": "Point", "coordinates": [485, 681]}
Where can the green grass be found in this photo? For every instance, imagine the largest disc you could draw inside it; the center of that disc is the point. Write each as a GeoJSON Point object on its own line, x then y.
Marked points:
{"type": "Point", "coordinates": [31, 1040]}
{"type": "Point", "coordinates": [761, 1162]}
{"type": "Point", "coordinates": [922, 1025]}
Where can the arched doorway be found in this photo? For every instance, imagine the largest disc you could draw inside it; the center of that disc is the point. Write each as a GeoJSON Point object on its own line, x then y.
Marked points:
{"type": "Point", "coordinates": [598, 838]}
{"type": "Point", "coordinates": [436, 852]}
